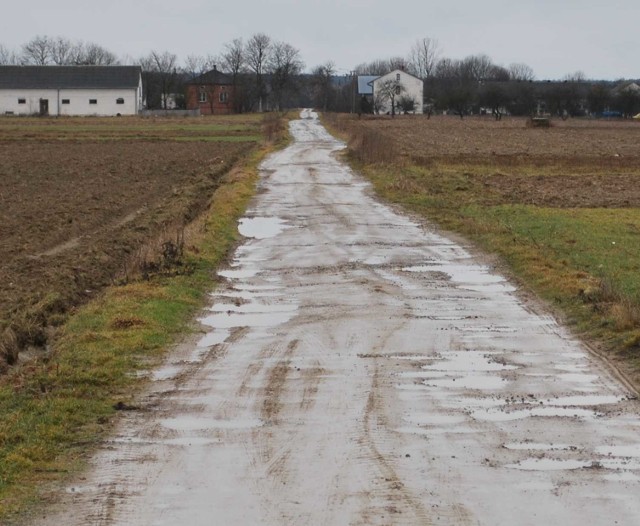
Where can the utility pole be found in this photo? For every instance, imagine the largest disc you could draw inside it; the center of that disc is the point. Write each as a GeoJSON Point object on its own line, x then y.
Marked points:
{"type": "Point", "coordinates": [354, 89]}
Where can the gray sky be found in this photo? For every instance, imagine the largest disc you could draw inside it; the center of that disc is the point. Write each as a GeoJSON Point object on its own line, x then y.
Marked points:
{"type": "Point", "coordinates": [554, 37]}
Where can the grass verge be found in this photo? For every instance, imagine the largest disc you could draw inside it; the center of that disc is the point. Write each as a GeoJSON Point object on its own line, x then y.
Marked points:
{"type": "Point", "coordinates": [54, 411]}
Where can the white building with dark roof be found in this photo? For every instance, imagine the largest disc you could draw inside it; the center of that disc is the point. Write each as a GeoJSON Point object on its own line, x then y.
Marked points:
{"type": "Point", "coordinates": [70, 90]}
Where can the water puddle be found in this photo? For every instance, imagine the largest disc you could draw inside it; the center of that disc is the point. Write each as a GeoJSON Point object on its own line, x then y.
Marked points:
{"type": "Point", "coordinates": [191, 441]}
{"type": "Point", "coordinates": [467, 362]}
{"type": "Point", "coordinates": [167, 373]}
{"type": "Point", "coordinates": [471, 277]}
{"type": "Point", "coordinates": [252, 308]}
{"type": "Point", "coordinates": [238, 274]}
{"type": "Point", "coordinates": [578, 378]}
{"type": "Point", "coordinates": [619, 451]}
{"type": "Point", "coordinates": [469, 382]}
{"type": "Point", "coordinates": [621, 477]}
{"type": "Point", "coordinates": [435, 431]}
{"type": "Point", "coordinates": [434, 420]}
{"type": "Point", "coordinates": [261, 227]}
{"type": "Point", "coordinates": [541, 412]}
{"type": "Point", "coordinates": [585, 400]}
{"type": "Point", "coordinates": [192, 423]}
{"type": "Point", "coordinates": [213, 338]}
{"type": "Point", "coordinates": [530, 446]}
{"type": "Point", "coordinates": [227, 316]}
{"type": "Point", "coordinates": [549, 464]}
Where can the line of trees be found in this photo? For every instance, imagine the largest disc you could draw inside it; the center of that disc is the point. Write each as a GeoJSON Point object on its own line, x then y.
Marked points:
{"type": "Point", "coordinates": [267, 74]}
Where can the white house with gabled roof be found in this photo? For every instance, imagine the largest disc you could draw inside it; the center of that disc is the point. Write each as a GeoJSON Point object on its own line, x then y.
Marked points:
{"type": "Point", "coordinates": [408, 86]}
{"type": "Point", "coordinates": [70, 90]}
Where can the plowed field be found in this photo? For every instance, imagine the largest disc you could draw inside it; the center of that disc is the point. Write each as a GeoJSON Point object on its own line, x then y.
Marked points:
{"type": "Point", "coordinates": [80, 198]}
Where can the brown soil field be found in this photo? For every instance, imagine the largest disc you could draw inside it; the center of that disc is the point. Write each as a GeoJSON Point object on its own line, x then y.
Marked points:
{"type": "Point", "coordinates": [76, 215]}
{"type": "Point", "coordinates": [574, 163]}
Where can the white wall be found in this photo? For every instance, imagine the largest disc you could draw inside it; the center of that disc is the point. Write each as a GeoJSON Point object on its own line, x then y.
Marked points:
{"type": "Point", "coordinates": [413, 87]}
{"type": "Point", "coordinates": [78, 101]}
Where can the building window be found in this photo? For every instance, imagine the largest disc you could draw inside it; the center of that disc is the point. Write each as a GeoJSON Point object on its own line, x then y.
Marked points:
{"type": "Point", "coordinates": [22, 101]}
{"type": "Point", "coordinates": [93, 101]}
{"type": "Point", "coordinates": [203, 94]}
{"type": "Point", "coordinates": [66, 101]}
{"type": "Point", "coordinates": [398, 76]}
{"type": "Point", "coordinates": [224, 97]}
{"type": "Point", "coordinates": [120, 101]}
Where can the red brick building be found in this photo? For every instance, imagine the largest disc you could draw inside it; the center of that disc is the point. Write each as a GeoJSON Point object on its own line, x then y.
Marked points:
{"type": "Point", "coordinates": [212, 93]}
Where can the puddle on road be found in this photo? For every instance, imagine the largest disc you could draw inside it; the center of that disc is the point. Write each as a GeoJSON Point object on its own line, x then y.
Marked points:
{"type": "Point", "coordinates": [467, 361]}
{"type": "Point", "coordinates": [585, 400]}
{"type": "Point", "coordinates": [252, 308]}
{"type": "Point", "coordinates": [261, 227]}
{"type": "Point", "coordinates": [469, 382]}
{"type": "Point", "coordinates": [191, 441]}
{"type": "Point", "coordinates": [530, 446]}
{"type": "Point", "coordinates": [424, 431]}
{"type": "Point", "coordinates": [469, 277]}
{"type": "Point", "coordinates": [542, 412]}
{"type": "Point", "coordinates": [166, 373]}
{"type": "Point", "coordinates": [578, 378]}
{"type": "Point", "coordinates": [549, 464]}
{"type": "Point", "coordinates": [213, 338]}
{"type": "Point", "coordinates": [434, 420]}
{"type": "Point", "coordinates": [238, 274]}
{"type": "Point", "coordinates": [193, 423]}
{"type": "Point", "coordinates": [621, 477]}
{"type": "Point", "coordinates": [619, 451]}
{"type": "Point", "coordinates": [227, 316]}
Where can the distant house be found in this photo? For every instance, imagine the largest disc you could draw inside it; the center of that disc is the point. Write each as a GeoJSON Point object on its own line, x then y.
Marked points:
{"type": "Point", "coordinates": [70, 90]}
{"type": "Point", "coordinates": [212, 93]}
{"type": "Point", "coordinates": [407, 87]}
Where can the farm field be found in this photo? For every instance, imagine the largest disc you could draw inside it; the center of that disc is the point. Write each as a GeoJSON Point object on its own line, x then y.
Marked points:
{"type": "Point", "coordinates": [84, 201]}
{"type": "Point", "coordinates": [560, 205]}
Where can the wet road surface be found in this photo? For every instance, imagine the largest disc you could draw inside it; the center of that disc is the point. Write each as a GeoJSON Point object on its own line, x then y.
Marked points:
{"type": "Point", "coordinates": [358, 368]}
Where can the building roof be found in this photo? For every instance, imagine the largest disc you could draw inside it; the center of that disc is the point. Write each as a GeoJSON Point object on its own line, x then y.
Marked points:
{"type": "Point", "coordinates": [69, 77]}
{"type": "Point", "coordinates": [212, 77]}
{"type": "Point", "coordinates": [365, 86]}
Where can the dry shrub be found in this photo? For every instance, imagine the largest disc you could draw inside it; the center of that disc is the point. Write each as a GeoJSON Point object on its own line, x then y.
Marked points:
{"type": "Point", "coordinates": [538, 122]}
{"type": "Point", "coordinates": [626, 314]}
{"type": "Point", "coordinates": [273, 126]}
{"type": "Point", "coordinates": [163, 254]}
{"type": "Point", "coordinates": [372, 147]}
{"type": "Point", "coordinates": [9, 348]}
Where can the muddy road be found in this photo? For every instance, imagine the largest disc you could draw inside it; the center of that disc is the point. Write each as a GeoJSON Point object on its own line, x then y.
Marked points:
{"type": "Point", "coordinates": [360, 369]}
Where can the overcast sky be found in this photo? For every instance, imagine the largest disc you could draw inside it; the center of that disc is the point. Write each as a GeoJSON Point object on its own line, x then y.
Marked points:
{"type": "Point", "coordinates": [554, 37]}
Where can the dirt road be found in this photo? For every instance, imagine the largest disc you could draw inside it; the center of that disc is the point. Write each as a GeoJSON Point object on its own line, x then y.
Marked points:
{"type": "Point", "coordinates": [362, 370]}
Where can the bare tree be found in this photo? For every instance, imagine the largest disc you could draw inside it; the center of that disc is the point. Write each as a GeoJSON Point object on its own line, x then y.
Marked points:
{"type": "Point", "coordinates": [159, 70]}
{"type": "Point", "coordinates": [62, 51]}
{"type": "Point", "coordinates": [424, 56]}
{"type": "Point", "coordinates": [234, 60]}
{"type": "Point", "coordinates": [383, 66]}
{"type": "Point", "coordinates": [521, 71]}
{"type": "Point", "coordinates": [7, 56]}
{"type": "Point", "coordinates": [321, 78]}
{"type": "Point", "coordinates": [196, 65]}
{"type": "Point", "coordinates": [37, 51]}
{"type": "Point", "coordinates": [284, 64]}
{"type": "Point", "coordinates": [386, 93]}
{"type": "Point", "coordinates": [257, 54]}
{"type": "Point", "coordinates": [92, 54]}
